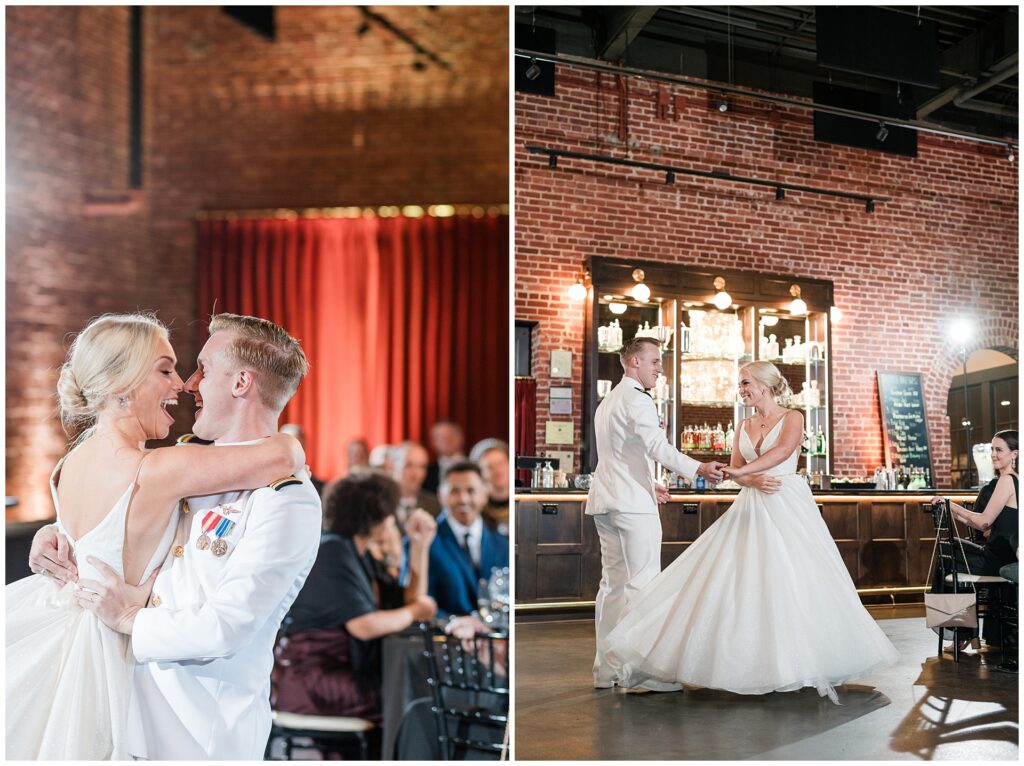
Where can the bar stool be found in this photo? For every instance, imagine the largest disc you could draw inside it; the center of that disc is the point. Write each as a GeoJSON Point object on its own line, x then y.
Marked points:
{"type": "Point", "coordinates": [341, 729]}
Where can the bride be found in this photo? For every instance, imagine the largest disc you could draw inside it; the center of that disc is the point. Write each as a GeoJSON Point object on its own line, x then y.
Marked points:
{"type": "Point", "coordinates": [68, 675]}
{"type": "Point", "coordinates": [761, 601]}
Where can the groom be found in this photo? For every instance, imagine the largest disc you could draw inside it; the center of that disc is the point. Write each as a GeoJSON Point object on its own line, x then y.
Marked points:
{"type": "Point", "coordinates": [623, 496]}
{"type": "Point", "coordinates": [204, 648]}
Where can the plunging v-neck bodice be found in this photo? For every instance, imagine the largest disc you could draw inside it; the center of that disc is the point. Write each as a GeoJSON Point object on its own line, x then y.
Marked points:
{"type": "Point", "coordinates": [750, 453]}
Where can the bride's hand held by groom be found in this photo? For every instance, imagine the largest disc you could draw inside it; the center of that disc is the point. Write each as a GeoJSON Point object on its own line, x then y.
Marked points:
{"type": "Point", "coordinates": [712, 472]}
{"type": "Point", "coordinates": [760, 481]}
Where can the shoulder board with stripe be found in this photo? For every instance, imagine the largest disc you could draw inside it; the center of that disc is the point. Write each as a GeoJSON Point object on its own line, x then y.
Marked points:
{"type": "Point", "coordinates": [192, 439]}
{"type": "Point", "coordinates": [287, 481]}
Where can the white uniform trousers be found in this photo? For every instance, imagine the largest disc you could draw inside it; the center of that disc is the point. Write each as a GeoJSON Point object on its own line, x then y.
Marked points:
{"type": "Point", "coordinates": [630, 558]}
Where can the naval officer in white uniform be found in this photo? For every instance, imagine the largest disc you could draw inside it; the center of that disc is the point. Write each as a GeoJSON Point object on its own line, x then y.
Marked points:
{"type": "Point", "coordinates": [623, 496]}
{"type": "Point", "coordinates": [204, 647]}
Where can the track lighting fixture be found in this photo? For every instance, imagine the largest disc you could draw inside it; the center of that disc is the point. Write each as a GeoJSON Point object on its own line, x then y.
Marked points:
{"type": "Point", "coordinates": [883, 132]}
{"type": "Point", "coordinates": [533, 71]}
{"type": "Point", "coordinates": [552, 160]}
{"type": "Point", "coordinates": [1009, 153]}
{"type": "Point", "coordinates": [780, 193]}
{"type": "Point", "coordinates": [869, 206]}
{"type": "Point", "coordinates": [670, 177]}
{"type": "Point", "coordinates": [723, 104]}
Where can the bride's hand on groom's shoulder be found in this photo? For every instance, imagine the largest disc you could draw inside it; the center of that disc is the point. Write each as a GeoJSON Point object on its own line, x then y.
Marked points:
{"type": "Point", "coordinates": [113, 600]}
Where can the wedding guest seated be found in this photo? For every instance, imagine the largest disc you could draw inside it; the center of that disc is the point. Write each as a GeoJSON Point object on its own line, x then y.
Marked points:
{"type": "Point", "coordinates": [492, 457]}
{"type": "Point", "coordinates": [329, 651]}
{"type": "Point", "coordinates": [446, 439]}
{"type": "Point", "coordinates": [995, 514]}
{"type": "Point", "coordinates": [409, 470]}
{"type": "Point", "coordinates": [466, 628]}
{"type": "Point", "coordinates": [294, 429]}
{"type": "Point", "coordinates": [380, 458]}
{"type": "Point", "coordinates": [358, 454]}
{"type": "Point", "coordinates": [465, 549]}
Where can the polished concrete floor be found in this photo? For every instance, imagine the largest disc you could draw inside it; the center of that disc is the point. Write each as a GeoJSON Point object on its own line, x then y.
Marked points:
{"type": "Point", "coordinates": [920, 709]}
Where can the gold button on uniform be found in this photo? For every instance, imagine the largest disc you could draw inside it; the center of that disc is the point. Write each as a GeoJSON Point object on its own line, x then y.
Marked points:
{"type": "Point", "coordinates": [155, 601]}
{"type": "Point", "coordinates": [179, 551]}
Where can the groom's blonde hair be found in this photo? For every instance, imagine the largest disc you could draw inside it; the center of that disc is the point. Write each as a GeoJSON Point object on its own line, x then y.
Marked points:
{"type": "Point", "coordinates": [267, 350]}
{"type": "Point", "coordinates": [633, 346]}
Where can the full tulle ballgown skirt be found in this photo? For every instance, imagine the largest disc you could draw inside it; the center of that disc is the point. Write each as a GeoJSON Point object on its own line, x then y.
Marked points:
{"type": "Point", "coordinates": [68, 676]}
{"type": "Point", "coordinates": [760, 602]}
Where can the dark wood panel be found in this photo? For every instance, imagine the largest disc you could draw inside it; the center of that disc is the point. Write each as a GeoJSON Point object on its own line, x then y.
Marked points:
{"type": "Point", "coordinates": [560, 576]}
{"type": "Point", "coordinates": [560, 523]}
{"type": "Point", "coordinates": [842, 520]}
{"type": "Point", "coordinates": [888, 521]}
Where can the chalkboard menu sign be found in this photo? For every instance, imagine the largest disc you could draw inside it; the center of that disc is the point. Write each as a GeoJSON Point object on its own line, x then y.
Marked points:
{"type": "Point", "coordinates": [904, 425]}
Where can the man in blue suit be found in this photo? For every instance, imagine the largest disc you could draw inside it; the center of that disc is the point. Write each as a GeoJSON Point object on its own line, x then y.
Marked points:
{"type": "Point", "coordinates": [465, 549]}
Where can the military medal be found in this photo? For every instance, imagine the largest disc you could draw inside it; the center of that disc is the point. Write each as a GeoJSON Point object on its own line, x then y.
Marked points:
{"type": "Point", "coordinates": [210, 520]}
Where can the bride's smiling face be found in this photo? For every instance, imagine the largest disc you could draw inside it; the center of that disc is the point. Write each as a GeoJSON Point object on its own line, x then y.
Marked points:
{"type": "Point", "coordinates": [149, 402]}
{"type": "Point", "coordinates": [752, 392]}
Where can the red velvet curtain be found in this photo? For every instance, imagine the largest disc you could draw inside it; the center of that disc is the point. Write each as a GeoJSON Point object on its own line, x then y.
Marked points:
{"type": "Point", "coordinates": [404, 320]}
{"type": "Point", "coordinates": [526, 421]}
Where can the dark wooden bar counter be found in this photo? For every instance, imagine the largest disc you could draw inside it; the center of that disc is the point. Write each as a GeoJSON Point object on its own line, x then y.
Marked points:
{"type": "Point", "coordinates": [885, 539]}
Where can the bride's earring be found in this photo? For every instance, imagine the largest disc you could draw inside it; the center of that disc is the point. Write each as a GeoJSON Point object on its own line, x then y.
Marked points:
{"type": "Point", "coordinates": [122, 402]}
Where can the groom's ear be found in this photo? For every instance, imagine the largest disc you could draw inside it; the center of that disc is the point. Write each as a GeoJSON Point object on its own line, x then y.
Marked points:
{"type": "Point", "coordinates": [244, 384]}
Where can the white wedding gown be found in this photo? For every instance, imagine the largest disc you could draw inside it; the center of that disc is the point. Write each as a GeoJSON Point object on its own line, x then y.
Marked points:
{"type": "Point", "coordinates": [69, 676]}
{"type": "Point", "coordinates": [760, 602]}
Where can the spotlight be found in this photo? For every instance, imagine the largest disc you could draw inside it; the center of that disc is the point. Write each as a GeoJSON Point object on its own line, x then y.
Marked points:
{"type": "Point", "coordinates": [670, 177]}
{"type": "Point", "coordinates": [869, 206]}
{"type": "Point", "coordinates": [617, 308]}
{"type": "Point", "coordinates": [533, 71]}
{"type": "Point", "coordinates": [722, 299]}
{"type": "Point", "coordinates": [552, 160]}
{"type": "Point", "coordinates": [837, 314]}
{"type": "Point", "coordinates": [769, 320]}
{"type": "Point", "coordinates": [961, 331]}
{"type": "Point", "coordinates": [1009, 153]}
{"type": "Point", "coordinates": [723, 105]}
{"type": "Point", "coordinates": [780, 193]}
{"type": "Point", "coordinates": [883, 132]}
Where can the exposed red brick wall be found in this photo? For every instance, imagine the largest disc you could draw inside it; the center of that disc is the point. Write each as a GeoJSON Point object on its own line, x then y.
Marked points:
{"type": "Point", "coordinates": [946, 242]}
{"type": "Point", "coordinates": [320, 117]}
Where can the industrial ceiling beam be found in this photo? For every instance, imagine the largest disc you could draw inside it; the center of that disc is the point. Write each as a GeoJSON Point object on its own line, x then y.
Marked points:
{"type": "Point", "coordinates": [624, 25]}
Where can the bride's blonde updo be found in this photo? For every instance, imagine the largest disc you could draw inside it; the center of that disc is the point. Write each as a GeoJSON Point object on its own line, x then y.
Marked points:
{"type": "Point", "coordinates": [768, 375]}
{"type": "Point", "coordinates": [111, 356]}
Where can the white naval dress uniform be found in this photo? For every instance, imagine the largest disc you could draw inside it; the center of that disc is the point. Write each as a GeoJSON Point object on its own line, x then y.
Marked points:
{"type": "Point", "coordinates": [204, 647]}
{"type": "Point", "coordinates": [622, 502]}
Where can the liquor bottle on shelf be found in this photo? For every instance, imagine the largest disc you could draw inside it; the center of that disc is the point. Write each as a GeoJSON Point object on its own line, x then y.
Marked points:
{"type": "Point", "coordinates": [805, 443]}
{"type": "Point", "coordinates": [787, 352]}
{"type": "Point", "coordinates": [815, 395]}
{"type": "Point", "coordinates": [730, 435]}
{"type": "Point", "coordinates": [773, 347]}
{"type": "Point", "coordinates": [804, 397]}
{"type": "Point", "coordinates": [799, 353]}
{"type": "Point", "coordinates": [820, 442]}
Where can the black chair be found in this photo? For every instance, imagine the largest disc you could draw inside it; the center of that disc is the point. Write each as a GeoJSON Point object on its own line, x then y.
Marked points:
{"type": "Point", "coordinates": [470, 695]}
{"type": "Point", "coordinates": [949, 580]}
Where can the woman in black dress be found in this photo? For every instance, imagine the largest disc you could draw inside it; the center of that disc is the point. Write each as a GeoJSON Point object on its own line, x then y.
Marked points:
{"type": "Point", "coordinates": [329, 652]}
{"type": "Point", "coordinates": [995, 514]}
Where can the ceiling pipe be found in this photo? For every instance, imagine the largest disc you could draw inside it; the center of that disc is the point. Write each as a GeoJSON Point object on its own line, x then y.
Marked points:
{"type": "Point", "coordinates": [600, 66]}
